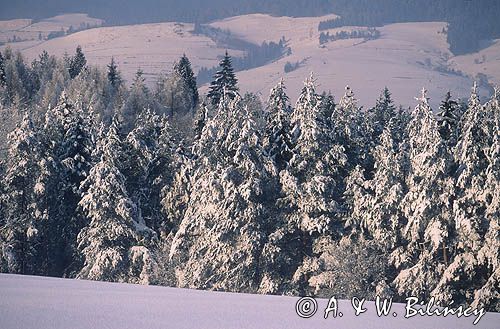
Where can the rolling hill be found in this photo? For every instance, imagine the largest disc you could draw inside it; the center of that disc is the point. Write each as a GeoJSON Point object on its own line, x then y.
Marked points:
{"type": "Point", "coordinates": [406, 56]}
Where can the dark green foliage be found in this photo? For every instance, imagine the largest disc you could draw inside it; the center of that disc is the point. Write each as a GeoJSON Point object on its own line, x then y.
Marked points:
{"type": "Point", "coordinates": [113, 74]}
{"type": "Point", "coordinates": [448, 118]}
{"type": "Point", "coordinates": [183, 68]}
{"type": "Point", "coordinates": [224, 82]}
{"type": "Point", "coordinates": [3, 79]}
{"type": "Point", "coordinates": [77, 63]}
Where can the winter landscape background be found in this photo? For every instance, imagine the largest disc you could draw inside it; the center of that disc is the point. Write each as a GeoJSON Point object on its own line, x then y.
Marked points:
{"type": "Point", "coordinates": [195, 149]}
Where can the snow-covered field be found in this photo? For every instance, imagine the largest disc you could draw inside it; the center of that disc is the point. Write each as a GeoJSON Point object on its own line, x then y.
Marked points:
{"type": "Point", "coordinates": [405, 58]}
{"type": "Point", "coordinates": [28, 302]}
{"type": "Point", "coordinates": [26, 29]}
{"type": "Point", "coordinates": [153, 48]}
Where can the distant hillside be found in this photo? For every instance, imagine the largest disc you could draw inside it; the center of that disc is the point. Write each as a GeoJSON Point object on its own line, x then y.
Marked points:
{"type": "Point", "coordinates": [470, 20]}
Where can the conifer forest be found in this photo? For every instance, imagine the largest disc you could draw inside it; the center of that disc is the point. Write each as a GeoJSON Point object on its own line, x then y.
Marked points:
{"type": "Point", "coordinates": [163, 185]}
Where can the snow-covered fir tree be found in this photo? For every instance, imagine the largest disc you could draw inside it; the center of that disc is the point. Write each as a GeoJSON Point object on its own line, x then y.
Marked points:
{"type": "Point", "coordinates": [472, 274]}
{"type": "Point", "coordinates": [383, 112]}
{"type": "Point", "coordinates": [77, 63]}
{"type": "Point", "coordinates": [384, 218]}
{"type": "Point", "coordinates": [277, 138]}
{"type": "Point", "coordinates": [218, 243]}
{"type": "Point", "coordinates": [68, 142]}
{"type": "Point", "coordinates": [183, 69]}
{"type": "Point", "coordinates": [224, 82]}
{"type": "Point", "coordinates": [148, 158]}
{"type": "Point", "coordinates": [313, 183]}
{"type": "Point", "coordinates": [427, 206]}
{"type": "Point", "coordinates": [19, 234]}
{"type": "Point", "coordinates": [3, 78]}
{"type": "Point", "coordinates": [114, 242]}
{"type": "Point", "coordinates": [351, 129]}
{"type": "Point", "coordinates": [448, 117]}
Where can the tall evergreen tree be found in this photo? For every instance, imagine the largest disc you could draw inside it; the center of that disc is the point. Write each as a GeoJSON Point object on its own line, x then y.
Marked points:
{"type": "Point", "coordinates": [114, 77]}
{"type": "Point", "coordinates": [448, 119]}
{"type": "Point", "coordinates": [200, 120]}
{"type": "Point", "coordinates": [69, 140]}
{"type": "Point", "coordinates": [383, 112]}
{"type": "Point", "coordinates": [114, 242]}
{"type": "Point", "coordinates": [224, 82]}
{"type": "Point", "coordinates": [313, 182]}
{"type": "Point", "coordinates": [3, 79]}
{"type": "Point", "coordinates": [225, 210]}
{"type": "Point", "coordinates": [473, 271]}
{"type": "Point", "coordinates": [148, 158]}
{"type": "Point", "coordinates": [427, 207]}
{"type": "Point", "coordinates": [77, 63]}
{"type": "Point", "coordinates": [277, 139]}
{"type": "Point", "coordinates": [19, 234]}
{"type": "Point", "coordinates": [183, 68]}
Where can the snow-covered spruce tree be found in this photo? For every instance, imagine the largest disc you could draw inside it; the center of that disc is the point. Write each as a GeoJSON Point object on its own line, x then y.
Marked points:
{"type": "Point", "coordinates": [68, 141]}
{"type": "Point", "coordinates": [148, 162]}
{"type": "Point", "coordinates": [313, 183]}
{"type": "Point", "coordinates": [77, 63]}
{"type": "Point", "coordinates": [114, 242]}
{"type": "Point", "coordinates": [308, 201]}
{"type": "Point", "coordinates": [183, 68]}
{"type": "Point", "coordinates": [448, 118]}
{"type": "Point", "coordinates": [489, 254]}
{"type": "Point", "coordinates": [427, 207]}
{"type": "Point", "coordinates": [113, 74]}
{"type": "Point", "coordinates": [224, 82]}
{"type": "Point", "coordinates": [473, 275]}
{"type": "Point", "coordinates": [3, 79]}
{"type": "Point", "coordinates": [351, 130]}
{"type": "Point", "coordinates": [277, 137]}
{"type": "Point", "coordinates": [382, 113]}
{"type": "Point", "coordinates": [472, 161]}
{"type": "Point", "coordinates": [19, 233]}
{"type": "Point", "coordinates": [219, 240]}
{"type": "Point", "coordinates": [200, 120]}
{"type": "Point", "coordinates": [384, 217]}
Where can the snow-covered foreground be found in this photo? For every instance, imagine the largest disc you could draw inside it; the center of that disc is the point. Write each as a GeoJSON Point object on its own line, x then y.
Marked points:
{"type": "Point", "coordinates": [49, 303]}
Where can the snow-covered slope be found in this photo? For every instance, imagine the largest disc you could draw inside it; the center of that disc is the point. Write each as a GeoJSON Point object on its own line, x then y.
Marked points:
{"type": "Point", "coordinates": [47, 303]}
{"type": "Point", "coordinates": [486, 61]}
{"type": "Point", "coordinates": [150, 47]}
{"type": "Point", "coordinates": [26, 29]}
{"type": "Point", "coordinates": [405, 58]}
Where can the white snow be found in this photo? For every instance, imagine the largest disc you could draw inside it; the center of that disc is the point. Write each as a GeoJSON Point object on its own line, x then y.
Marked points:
{"type": "Point", "coordinates": [150, 47]}
{"type": "Point", "coordinates": [25, 29]}
{"type": "Point", "coordinates": [28, 302]}
{"type": "Point", "coordinates": [405, 58]}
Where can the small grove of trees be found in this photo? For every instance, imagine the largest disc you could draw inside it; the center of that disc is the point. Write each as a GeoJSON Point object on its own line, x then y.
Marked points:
{"type": "Point", "coordinates": [318, 198]}
{"type": "Point", "coordinates": [369, 34]}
